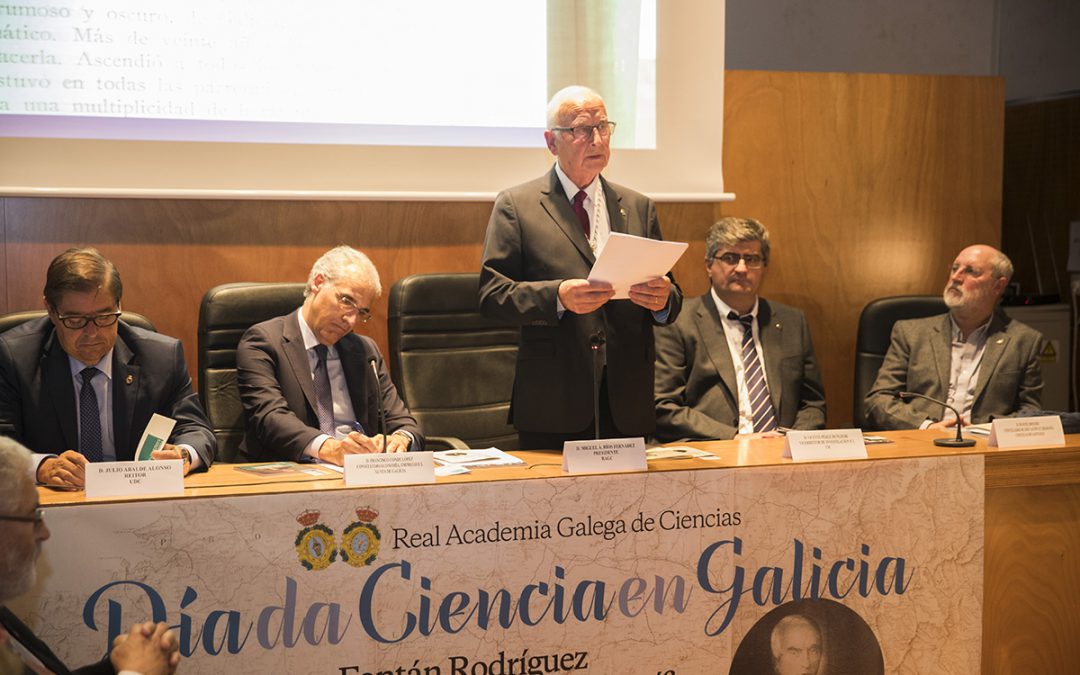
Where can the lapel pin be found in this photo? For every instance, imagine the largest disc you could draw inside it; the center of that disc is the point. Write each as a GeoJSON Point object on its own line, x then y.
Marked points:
{"type": "Point", "coordinates": [1000, 340]}
{"type": "Point", "coordinates": [129, 379]}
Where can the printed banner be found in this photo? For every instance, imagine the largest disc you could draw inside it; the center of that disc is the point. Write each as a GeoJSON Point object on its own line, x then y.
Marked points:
{"type": "Point", "coordinates": [866, 567]}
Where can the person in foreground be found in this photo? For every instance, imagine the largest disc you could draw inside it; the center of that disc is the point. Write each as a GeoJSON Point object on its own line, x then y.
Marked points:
{"type": "Point", "coordinates": [796, 646]}
{"type": "Point", "coordinates": [306, 380]}
{"type": "Point", "coordinates": [80, 385]}
{"type": "Point", "coordinates": [147, 649]}
{"type": "Point", "coordinates": [974, 357]}
{"type": "Point", "coordinates": [734, 363]}
{"type": "Point", "coordinates": [542, 239]}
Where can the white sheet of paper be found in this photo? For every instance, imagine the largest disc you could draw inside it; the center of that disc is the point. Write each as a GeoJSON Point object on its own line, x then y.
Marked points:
{"type": "Point", "coordinates": [604, 456]}
{"type": "Point", "coordinates": [627, 260]}
{"type": "Point", "coordinates": [155, 436]}
{"type": "Point", "coordinates": [128, 479]}
{"type": "Point", "coordinates": [809, 446]}
{"type": "Point", "coordinates": [1013, 432]}
{"type": "Point", "coordinates": [399, 468]}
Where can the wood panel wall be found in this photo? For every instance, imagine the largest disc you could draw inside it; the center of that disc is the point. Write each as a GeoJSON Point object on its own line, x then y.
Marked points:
{"type": "Point", "coordinates": [870, 184]}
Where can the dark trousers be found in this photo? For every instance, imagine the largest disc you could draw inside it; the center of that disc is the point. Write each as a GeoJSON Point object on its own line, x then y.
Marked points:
{"type": "Point", "coordinates": [539, 440]}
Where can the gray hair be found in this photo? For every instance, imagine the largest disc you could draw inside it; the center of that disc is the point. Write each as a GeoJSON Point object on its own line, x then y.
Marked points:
{"type": "Point", "coordinates": [1002, 266]}
{"type": "Point", "coordinates": [783, 625]}
{"type": "Point", "coordinates": [730, 231]}
{"type": "Point", "coordinates": [575, 93]}
{"type": "Point", "coordinates": [345, 262]}
{"type": "Point", "coordinates": [15, 465]}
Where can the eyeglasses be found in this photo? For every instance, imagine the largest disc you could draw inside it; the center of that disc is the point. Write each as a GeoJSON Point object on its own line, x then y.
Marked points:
{"type": "Point", "coordinates": [349, 306]}
{"type": "Point", "coordinates": [77, 321]}
{"type": "Point", "coordinates": [585, 131]}
{"type": "Point", "coordinates": [36, 519]}
{"type": "Point", "coordinates": [753, 260]}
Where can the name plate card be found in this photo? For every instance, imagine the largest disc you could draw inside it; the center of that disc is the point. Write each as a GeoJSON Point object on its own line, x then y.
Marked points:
{"type": "Point", "coordinates": [604, 456]}
{"type": "Point", "coordinates": [810, 446]}
{"type": "Point", "coordinates": [1013, 432]}
{"type": "Point", "coordinates": [402, 468]}
{"type": "Point", "coordinates": [130, 479]}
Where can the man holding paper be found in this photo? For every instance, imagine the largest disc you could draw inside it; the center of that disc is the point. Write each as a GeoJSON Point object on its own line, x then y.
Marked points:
{"type": "Point", "coordinates": [974, 357]}
{"type": "Point", "coordinates": [735, 363]}
{"type": "Point", "coordinates": [80, 385]}
{"type": "Point", "coordinates": [542, 240]}
{"type": "Point", "coordinates": [312, 388]}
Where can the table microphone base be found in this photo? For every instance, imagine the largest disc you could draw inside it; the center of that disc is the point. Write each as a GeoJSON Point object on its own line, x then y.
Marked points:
{"type": "Point", "coordinates": [954, 443]}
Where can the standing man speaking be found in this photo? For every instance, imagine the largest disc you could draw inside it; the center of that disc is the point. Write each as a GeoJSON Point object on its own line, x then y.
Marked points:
{"type": "Point", "coordinates": [542, 239]}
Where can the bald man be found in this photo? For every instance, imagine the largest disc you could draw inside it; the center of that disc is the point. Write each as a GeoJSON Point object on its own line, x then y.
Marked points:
{"type": "Point", "coordinates": [976, 358]}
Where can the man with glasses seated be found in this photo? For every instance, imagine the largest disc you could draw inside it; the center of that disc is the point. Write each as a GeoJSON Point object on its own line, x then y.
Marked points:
{"type": "Point", "coordinates": [542, 239]}
{"type": "Point", "coordinates": [735, 364]}
{"type": "Point", "coordinates": [80, 385]}
{"type": "Point", "coordinates": [308, 383]}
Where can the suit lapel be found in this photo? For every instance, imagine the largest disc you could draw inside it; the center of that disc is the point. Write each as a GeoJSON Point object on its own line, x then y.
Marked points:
{"type": "Point", "coordinates": [56, 371]}
{"type": "Point", "coordinates": [771, 334]}
{"type": "Point", "coordinates": [354, 364]}
{"type": "Point", "coordinates": [616, 212]}
{"type": "Point", "coordinates": [716, 345]}
{"type": "Point", "coordinates": [942, 346]}
{"type": "Point", "coordinates": [557, 204]}
{"type": "Point", "coordinates": [21, 633]}
{"type": "Point", "coordinates": [996, 343]}
{"type": "Point", "coordinates": [126, 384]}
{"type": "Point", "coordinates": [292, 344]}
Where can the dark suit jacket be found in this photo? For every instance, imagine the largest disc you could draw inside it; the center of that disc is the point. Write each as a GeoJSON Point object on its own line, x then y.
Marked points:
{"type": "Point", "coordinates": [274, 378]}
{"type": "Point", "coordinates": [19, 631]}
{"type": "Point", "coordinates": [149, 375]}
{"type": "Point", "coordinates": [534, 242]}
{"type": "Point", "coordinates": [919, 358]}
{"type": "Point", "coordinates": [697, 393]}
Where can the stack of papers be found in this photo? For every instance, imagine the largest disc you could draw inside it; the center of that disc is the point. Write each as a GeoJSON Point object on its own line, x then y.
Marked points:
{"type": "Point", "coordinates": [476, 458]}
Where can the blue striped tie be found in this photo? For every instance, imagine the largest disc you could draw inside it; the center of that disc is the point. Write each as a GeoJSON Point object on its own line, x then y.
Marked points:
{"type": "Point", "coordinates": [754, 375]}
{"type": "Point", "coordinates": [89, 418]}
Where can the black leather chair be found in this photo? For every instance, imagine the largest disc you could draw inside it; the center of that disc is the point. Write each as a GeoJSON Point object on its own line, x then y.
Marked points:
{"type": "Point", "coordinates": [453, 367]}
{"type": "Point", "coordinates": [875, 333]}
{"type": "Point", "coordinates": [9, 321]}
{"type": "Point", "coordinates": [225, 313]}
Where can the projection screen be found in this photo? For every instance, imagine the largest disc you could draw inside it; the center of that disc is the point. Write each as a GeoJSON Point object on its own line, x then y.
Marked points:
{"type": "Point", "coordinates": [349, 99]}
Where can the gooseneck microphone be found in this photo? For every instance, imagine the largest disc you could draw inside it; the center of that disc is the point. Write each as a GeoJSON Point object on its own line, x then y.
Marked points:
{"type": "Point", "coordinates": [378, 396]}
{"type": "Point", "coordinates": [596, 341]}
{"type": "Point", "coordinates": [959, 441]}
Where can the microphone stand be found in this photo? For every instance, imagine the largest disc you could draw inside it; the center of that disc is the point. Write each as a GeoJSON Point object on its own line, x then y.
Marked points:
{"type": "Point", "coordinates": [596, 341]}
{"type": "Point", "coordinates": [959, 441]}
{"type": "Point", "coordinates": [378, 396]}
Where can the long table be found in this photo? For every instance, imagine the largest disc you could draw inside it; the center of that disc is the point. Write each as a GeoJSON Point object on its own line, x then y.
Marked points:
{"type": "Point", "coordinates": [1030, 548]}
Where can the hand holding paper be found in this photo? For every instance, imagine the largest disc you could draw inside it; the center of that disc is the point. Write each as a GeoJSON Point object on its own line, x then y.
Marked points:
{"type": "Point", "coordinates": [652, 294]}
{"type": "Point", "coordinates": [581, 296]}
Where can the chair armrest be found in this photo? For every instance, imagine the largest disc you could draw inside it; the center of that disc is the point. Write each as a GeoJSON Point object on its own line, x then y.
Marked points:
{"type": "Point", "coordinates": [444, 443]}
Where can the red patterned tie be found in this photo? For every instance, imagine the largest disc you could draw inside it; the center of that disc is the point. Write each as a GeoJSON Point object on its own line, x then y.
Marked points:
{"type": "Point", "coordinates": [579, 209]}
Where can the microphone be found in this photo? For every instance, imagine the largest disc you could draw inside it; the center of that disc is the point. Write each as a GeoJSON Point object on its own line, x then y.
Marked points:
{"type": "Point", "coordinates": [959, 441]}
{"type": "Point", "coordinates": [596, 341]}
{"type": "Point", "coordinates": [378, 396]}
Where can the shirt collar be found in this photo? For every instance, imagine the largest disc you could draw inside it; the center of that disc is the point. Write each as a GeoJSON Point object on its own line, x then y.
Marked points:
{"type": "Point", "coordinates": [976, 336]}
{"type": "Point", "coordinates": [104, 365]}
{"type": "Point", "coordinates": [725, 309]}
{"type": "Point", "coordinates": [571, 189]}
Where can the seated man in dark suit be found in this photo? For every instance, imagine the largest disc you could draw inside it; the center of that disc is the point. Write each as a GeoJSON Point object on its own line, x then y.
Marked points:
{"type": "Point", "coordinates": [974, 357]}
{"type": "Point", "coordinates": [147, 649]}
{"type": "Point", "coordinates": [734, 363]}
{"type": "Point", "coordinates": [306, 379]}
{"type": "Point", "coordinates": [80, 385]}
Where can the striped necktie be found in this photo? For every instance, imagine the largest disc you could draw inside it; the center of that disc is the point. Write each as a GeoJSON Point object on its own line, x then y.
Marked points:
{"type": "Point", "coordinates": [324, 397]}
{"type": "Point", "coordinates": [754, 375]}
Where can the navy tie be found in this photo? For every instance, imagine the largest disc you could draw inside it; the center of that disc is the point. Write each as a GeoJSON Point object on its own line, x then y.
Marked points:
{"type": "Point", "coordinates": [89, 418]}
{"type": "Point", "coordinates": [579, 209]}
{"type": "Point", "coordinates": [324, 397]}
{"type": "Point", "coordinates": [754, 375]}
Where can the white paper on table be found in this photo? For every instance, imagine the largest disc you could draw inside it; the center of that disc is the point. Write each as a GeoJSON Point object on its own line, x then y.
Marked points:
{"type": "Point", "coordinates": [627, 260]}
